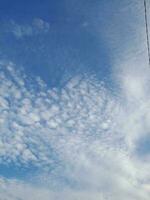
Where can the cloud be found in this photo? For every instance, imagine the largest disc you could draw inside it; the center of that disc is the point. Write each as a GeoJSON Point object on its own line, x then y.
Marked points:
{"type": "Point", "coordinates": [82, 138]}
{"type": "Point", "coordinates": [56, 115]}
{"type": "Point", "coordinates": [36, 27]}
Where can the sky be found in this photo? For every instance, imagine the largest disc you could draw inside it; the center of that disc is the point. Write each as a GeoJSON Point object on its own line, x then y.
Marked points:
{"type": "Point", "coordinates": [74, 100]}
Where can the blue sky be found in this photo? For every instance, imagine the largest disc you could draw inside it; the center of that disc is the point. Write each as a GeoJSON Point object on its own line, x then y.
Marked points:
{"type": "Point", "coordinates": [74, 100]}
{"type": "Point", "coordinates": [66, 44]}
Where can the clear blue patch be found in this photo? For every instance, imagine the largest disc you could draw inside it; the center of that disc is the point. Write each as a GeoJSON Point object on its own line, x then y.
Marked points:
{"type": "Point", "coordinates": [13, 170]}
{"type": "Point", "coordinates": [68, 49]}
{"type": "Point", "coordinates": [143, 147]}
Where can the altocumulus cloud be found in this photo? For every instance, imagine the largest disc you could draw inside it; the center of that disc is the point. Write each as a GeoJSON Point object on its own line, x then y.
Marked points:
{"type": "Point", "coordinates": [82, 139]}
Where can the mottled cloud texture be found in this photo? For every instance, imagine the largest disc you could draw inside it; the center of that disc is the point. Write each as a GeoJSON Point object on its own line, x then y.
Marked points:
{"type": "Point", "coordinates": [83, 139]}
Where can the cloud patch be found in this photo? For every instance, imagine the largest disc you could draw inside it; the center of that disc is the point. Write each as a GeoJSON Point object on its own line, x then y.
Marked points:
{"type": "Point", "coordinates": [82, 139]}
{"type": "Point", "coordinates": [36, 27]}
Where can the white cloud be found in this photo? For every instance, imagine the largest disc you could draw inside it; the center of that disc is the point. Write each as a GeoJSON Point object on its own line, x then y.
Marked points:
{"type": "Point", "coordinates": [84, 133]}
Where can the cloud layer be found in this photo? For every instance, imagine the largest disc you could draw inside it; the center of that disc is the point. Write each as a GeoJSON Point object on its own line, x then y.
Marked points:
{"type": "Point", "coordinates": [82, 139]}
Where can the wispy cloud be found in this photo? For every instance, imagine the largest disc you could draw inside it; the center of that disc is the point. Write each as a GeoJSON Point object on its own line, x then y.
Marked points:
{"type": "Point", "coordinates": [36, 27]}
